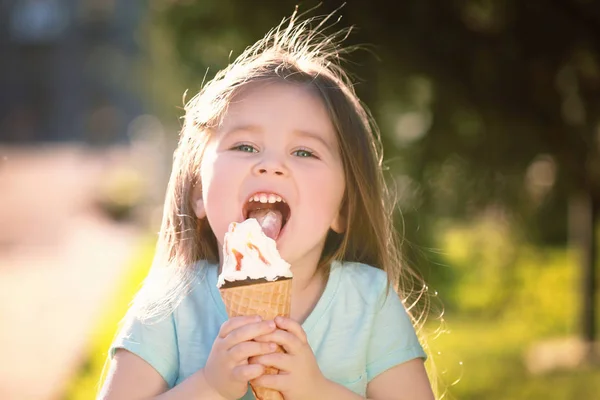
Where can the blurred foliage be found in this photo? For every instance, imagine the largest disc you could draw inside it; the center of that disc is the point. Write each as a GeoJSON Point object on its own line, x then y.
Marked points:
{"type": "Point", "coordinates": [120, 191]}
{"type": "Point", "coordinates": [483, 258]}
{"type": "Point", "coordinates": [498, 276]}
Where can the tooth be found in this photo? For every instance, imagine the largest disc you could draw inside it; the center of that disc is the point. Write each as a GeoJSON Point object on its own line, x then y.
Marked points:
{"type": "Point", "coordinates": [278, 198]}
{"type": "Point", "coordinates": [256, 197]}
{"type": "Point", "coordinates": [263, 198]}
{"type": "Point", "coordinates": [272, 198]}
{"type": "Point", "coordinates": [251, 199]}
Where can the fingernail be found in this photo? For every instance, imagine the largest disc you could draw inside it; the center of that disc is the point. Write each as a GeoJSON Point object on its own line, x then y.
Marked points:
{"type": "Point", "coordinates": [271, 324]}
{"type": "Point", "coordinates": [257, 318]}
{"type": "Point", "coordinates": [273, 346]}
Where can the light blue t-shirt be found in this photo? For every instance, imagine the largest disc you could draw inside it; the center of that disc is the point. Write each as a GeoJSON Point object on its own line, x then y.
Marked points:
{"type": "Point", "coordinates": [355, 331]}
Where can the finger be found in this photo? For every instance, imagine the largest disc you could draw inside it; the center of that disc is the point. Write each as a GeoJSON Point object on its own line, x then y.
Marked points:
{"type": "Point", "coordinates": [285, 339]}
{"type": "Point", "coordinates": [248, 332]}
{"type": "Point", "coordinates": [279, 382]}
{"type": "Point", "coordinates": [247, 372]}
{"type": "Point", "coordinates": [281, 361]}
{"type": "Point", "coordinates": [245, 350]}
{"type": "Point", "coordinates": [288, 324]}
{"type": "Point", "coordinates": [237, 322]}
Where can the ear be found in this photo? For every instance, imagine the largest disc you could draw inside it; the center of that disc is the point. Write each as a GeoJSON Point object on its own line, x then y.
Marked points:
{"type": "Point", "coordinates": [198, 205]}
{"type": "Point", "coordinates": [339, 223]}
{"type": "Point", "coordinates": [199, 208]}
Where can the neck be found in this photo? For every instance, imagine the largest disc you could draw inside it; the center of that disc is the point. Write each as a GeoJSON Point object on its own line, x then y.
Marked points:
{"type": "Point", "coordinates": [307, 287]}
{"type": "Point", "coordinates": [304, 277]}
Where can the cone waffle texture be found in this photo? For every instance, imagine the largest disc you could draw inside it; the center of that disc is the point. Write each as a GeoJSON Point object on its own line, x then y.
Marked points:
{"type": "Point", "coordinates": [268, 300]}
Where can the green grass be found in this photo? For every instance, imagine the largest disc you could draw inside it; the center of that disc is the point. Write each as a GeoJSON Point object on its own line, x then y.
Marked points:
{"type": "Point", "coordinates": [85, 384]}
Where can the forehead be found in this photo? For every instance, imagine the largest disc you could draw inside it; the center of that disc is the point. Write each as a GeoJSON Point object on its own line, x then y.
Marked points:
{"type": "Point", "coordinates": [281, 107]}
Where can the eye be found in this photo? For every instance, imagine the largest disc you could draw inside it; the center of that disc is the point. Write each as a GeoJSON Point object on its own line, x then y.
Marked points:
{"type": "Point", "coordinates": [304, 153]}
{"type": "Point", "coordinates": [246, 148]}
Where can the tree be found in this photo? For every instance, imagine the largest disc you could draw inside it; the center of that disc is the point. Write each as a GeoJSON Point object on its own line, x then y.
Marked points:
{"type": "Point", "coordinates": [481, 102]}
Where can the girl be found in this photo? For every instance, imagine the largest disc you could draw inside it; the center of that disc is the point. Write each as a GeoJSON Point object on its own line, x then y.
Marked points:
{"type": "Point", "coordinates": [281, 121]}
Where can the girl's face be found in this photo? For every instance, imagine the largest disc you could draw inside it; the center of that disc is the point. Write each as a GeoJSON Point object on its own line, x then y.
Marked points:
{"type": "Point", "coordinates": [276, 139]}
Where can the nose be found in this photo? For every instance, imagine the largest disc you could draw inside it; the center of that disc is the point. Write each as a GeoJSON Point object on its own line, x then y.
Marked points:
{"type": "Point", "coordinates": [270, 165]}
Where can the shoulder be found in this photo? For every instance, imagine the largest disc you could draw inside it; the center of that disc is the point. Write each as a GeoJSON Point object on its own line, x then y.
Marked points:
{"type": "Point", "coordinates": [365, 280]}
{"type": "Point", "coordinates": [362, 273]}
{"type": "Point", "coordinates": [200, 296]}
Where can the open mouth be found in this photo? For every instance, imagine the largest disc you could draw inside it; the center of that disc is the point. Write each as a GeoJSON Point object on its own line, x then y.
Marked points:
{"type": "Point", "coordinates": [270, 210]}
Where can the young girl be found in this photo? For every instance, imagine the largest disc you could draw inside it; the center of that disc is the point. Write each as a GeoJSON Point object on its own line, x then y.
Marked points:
{"type": "Point", "coordinates": [280, 124]}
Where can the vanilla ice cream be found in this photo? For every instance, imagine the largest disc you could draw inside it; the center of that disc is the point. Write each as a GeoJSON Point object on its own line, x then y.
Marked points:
{"type": "Point", "coordinates": [249, 254]}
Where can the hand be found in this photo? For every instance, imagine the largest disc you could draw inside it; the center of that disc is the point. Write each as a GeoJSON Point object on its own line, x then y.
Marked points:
{"type": "Point", "coordinates": [299, 375]}
{"type": "Point", "coordinates": [227, 370]}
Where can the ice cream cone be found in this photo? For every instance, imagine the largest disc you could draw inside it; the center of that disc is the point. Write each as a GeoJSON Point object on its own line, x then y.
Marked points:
{"type": "Point", "coordinates": [268, 300]}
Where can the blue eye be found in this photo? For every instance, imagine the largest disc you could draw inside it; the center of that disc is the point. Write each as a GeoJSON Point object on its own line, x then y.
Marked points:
{"type": "Point", "coordinates": [303, 153]}
{"type": "Point", "coordinates": [246, 148]}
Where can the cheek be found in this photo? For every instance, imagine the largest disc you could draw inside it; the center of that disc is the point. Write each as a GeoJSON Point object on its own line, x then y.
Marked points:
{"type": "Point", "coordinates": [206, 170]}
{"type": "Point", "coordinates": [221, 180]}
{"type": "Point", "coordinates": [217, 174]}
{"type": "Point", "coordinates": [327, 191]}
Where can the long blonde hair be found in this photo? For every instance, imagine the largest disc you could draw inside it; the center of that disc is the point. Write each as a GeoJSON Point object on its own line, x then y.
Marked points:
{"type": "Point", "coordinates": [298, 53]}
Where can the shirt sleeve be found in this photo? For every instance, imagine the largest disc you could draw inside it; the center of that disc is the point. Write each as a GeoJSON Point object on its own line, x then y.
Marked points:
{"type": "Point", "coordinates": [154, 341]}
{"type": "Point", "coordinates": [393, 338]}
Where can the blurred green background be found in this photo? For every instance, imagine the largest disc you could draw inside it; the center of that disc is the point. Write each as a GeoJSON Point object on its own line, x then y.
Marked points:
{"type": "Point", "coordinates": [489, 115]}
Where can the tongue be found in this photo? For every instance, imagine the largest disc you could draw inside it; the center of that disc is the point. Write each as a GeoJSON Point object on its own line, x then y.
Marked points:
{"type": "Point", "coordinates": [269, 220]}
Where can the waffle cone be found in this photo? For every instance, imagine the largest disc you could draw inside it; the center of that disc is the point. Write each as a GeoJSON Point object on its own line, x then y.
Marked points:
{"type": "Point", "coordinates": [268, 300]}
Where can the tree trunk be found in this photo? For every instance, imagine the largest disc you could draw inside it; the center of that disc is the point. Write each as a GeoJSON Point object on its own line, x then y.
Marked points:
{"type": "Point", "coordinates": [583, 220]}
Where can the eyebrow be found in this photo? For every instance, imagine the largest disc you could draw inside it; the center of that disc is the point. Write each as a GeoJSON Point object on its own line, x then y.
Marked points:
{"type": "Point", "coordinates": [296, 132]}
{"type": "Point", "coordinates": [238, 128]}
{"type": "Point", "coordinates": [315, 136]}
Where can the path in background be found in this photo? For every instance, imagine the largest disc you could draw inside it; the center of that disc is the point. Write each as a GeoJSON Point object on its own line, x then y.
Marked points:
{"type": "Point", "coordinates": [59, 260]}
